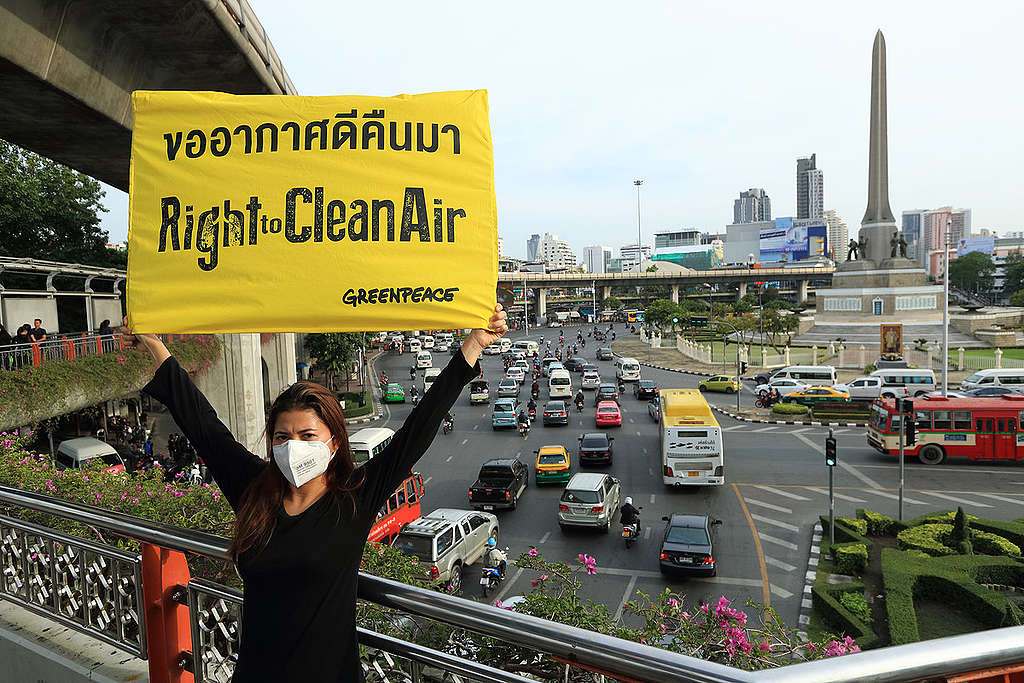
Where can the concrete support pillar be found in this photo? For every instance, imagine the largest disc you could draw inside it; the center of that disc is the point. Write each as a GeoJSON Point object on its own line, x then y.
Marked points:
{"type": "Point", "coordinates": [831, 349]}
{"type": "Point", "coordinates": [542, 304]}
{"type": "Point", "coordinates": [764, 356]}
{"type": "Point", "coordinates": [606, 291]}
{"type": "Point", "coordinates": [785, 356]}
{"type": "Point", "coordinates": [842, 356]}
{"type": "Point", "coordinates": [742, 291]}
{"type": "Point", "coordinates": [960, 358]}
{"type": "Point", "coordinates": [675, 294]}
{"type": "Point", "coordinates": [999, 358]}
{"type": "Point", "coordinates": [279, 355]}
{"type": "Point", "coordinates": [801, 291]}
{"type": "Point", "coordinates": [234, 387]}
{"type": "Point", "coordinates": [863, 357]}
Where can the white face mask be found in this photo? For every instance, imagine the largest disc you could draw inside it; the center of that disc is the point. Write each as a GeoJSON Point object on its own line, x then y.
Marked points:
{"type": "Point", "coordinates": [301, 461]}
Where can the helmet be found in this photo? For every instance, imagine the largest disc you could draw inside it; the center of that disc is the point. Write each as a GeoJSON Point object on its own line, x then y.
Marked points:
{"type": "Point", "coordinates": [629, 500]}
{"type": "Point", "coordinates": [491, 543]}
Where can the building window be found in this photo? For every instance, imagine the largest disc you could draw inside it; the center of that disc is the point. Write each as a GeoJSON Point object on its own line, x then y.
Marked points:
{"type": "Point", "coordinates": [876, 307]}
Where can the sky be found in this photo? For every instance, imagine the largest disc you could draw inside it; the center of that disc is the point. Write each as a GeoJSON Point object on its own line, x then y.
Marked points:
{"type": "Point", "coordinates": [700, 100]}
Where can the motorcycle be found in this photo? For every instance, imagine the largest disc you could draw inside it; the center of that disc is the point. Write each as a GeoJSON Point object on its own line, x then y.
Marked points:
{"type": "Point", "coordinates": [447, 426]}
{"type": "Point", "coordinates": [631, 532]}
{"type": "Point", "coordinates": [490, 577]}
{"type": "Point", "coordinates": [534, 393]}
{"type": "Point", "coordinates": [768, 400]}
{"type": "Point", "coordinates": [533, 414]}
{"type": "Point", "coordinates": [524, 429]}
{"type": "Point", "coordinates": [579, 406]}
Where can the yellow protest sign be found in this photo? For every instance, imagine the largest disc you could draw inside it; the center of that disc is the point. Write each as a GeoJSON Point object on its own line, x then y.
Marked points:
{"type": "Point", "coordinates": [268, 213]}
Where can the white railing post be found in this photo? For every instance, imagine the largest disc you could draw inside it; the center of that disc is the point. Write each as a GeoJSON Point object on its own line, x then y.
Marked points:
{"type": "Point", "coordinates": [960, 358]}
{"type": "Point", "coordinates": [764, 355]}
{"type": "Point", "coordinates": [842, 356]}
{"type": "Point", "coordinates": [999, 358]}
{"type": "Point", "coordinates": [785, 356]}
{"type": "Point", "coordinates": [814, 355]}
{"type": "Point", "coordinates": [863, 356]}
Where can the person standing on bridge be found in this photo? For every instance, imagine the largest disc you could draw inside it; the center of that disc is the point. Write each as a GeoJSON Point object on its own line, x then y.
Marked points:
{"type": "Point", "coordinates": [303, 512]}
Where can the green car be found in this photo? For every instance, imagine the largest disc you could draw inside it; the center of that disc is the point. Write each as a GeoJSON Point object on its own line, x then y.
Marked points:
{"type": "Point", "coordinates": [394, 393]}
{"type": "Point", "coordinates": [720, 383]}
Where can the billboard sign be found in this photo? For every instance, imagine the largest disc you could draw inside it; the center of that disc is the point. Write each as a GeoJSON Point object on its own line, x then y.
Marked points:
{"type": "Point", "coordinates": [986, 245]}
{"type": "Point", "coordinates": [783, 237]}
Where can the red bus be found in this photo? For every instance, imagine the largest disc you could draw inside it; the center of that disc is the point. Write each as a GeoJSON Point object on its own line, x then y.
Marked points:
{"type": "Point", "coordinates": [402, 507]}
{"type": "Point", "coordinates": [959, 428]}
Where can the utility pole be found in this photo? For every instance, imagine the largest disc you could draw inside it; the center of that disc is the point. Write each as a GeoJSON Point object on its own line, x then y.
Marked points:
{"type": "Point", "coordinates": [639, 251]}
{"type": "Point", "coordinates": [945, 317]}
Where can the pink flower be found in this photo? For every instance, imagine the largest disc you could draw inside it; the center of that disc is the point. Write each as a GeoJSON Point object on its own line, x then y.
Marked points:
{"type": "Point", "coordinates": [687, 616]}
{"type": "Point", "coordinates": [532, 552]}
{"type": "Point", "coordinates": [810, 646]}
{"type": "Point", "coordinates": [543, 577]}
{"type": "Point", "coordinates": [673, 603]}
{"type": "Point", "coordinates": [497, 603]}
{"type": "Point", "coordinates": [534, 583]}
{"type": "Point", "coordinates": [763, 646]}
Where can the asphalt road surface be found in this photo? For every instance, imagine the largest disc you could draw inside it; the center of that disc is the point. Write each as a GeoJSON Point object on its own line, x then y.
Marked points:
{"type": "Point", "coordinates": [776, 486]}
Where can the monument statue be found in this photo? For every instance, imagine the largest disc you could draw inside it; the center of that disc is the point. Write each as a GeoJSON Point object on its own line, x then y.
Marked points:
{"type": "Point", "coordinates": [894, 245]}
{"type": "Point", "coordinates": [851, 250]}
{"type": "Point", "coordinates": [903, 247]}
{"type": "Point", "coordinates": [863, 246]}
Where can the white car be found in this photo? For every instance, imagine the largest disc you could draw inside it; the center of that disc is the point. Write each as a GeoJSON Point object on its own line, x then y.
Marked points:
{"type": "Point", "coordinates": [784, 386]}
{"type": "Point", "coordinates": [554, 323]}
{"type": "Point", "coordinates": [862, 387]}
{"type": "Point", "coordinates": [492, 350]}
{"type": "Point", "coordinates": [590, 380]}
{"type": "Point", "coordinates": [517, 374]}
{"type": "Point", "coordinates": [441, 346]}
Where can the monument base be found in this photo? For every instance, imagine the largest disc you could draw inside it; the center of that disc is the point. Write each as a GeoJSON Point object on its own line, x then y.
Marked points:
{"type": "Point", "coordinates": [894, 289]}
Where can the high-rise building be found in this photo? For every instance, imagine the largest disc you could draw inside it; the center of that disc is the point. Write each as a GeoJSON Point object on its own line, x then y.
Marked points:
{"type": "Point", "coordinates": [838, 236]}
{"type": "Point", "coordinates": [631, 256]}
{"type": "Point", "coordinates": [810, 188]}
{"type": "Point", "coordinates": [501, 247]}
{"type": "Point", "coordinates": [752, 206]}
{"type": "Point", "coordinates": [532, 245]}
{"type": "Point", "coordinates": [933, 230]}
{"type": "Point", "coordinates": [912, 227]}
{"type": "Point", "coordinates": [556, 253]}
{"type": "Point", "coordinates": [596, 258]}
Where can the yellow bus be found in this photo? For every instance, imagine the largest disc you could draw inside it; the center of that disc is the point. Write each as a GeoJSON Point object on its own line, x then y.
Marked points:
{"type": "Point", "coordinates": [692, 452]}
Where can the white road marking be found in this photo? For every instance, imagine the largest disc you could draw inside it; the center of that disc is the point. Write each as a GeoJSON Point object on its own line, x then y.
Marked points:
{"type": "Point", "coordinates": [647, 533]}
{"type": "Point", "coordinates": [647, 574]}
{"type": "Point", "coordinates": [777, 508]}
{"type": "Point", "coordinates": [650, 471]}
{"type": "Point", "coordinates": [508, 585]}
{"type": "Point", "coordinates": [645, 451]}
{"type": "Point", "coordinates": [845, 465]}
{"type": "Point", "coordinates": [631, 420]}
{"type": "Point", "coordinates": [464, 442]}
{"type": "Point", "coordinates": [805, 429]}
{"type": "Point", "coordinates": [765, 429]}
{"type": "Point", "coordinates": [962, 501]}
{"type": "Point", "coordinates": [780, 492]}
{"type": "Point", "coordinates": [427, 480]}
{"type": "Point", "coordinates": [777, 541]}
{"type": "Point", "coordinates": [652, 499]}
{"type": "Point", "coordinates": [840, 496]}
{"type": "Point", "coordinates": [784, 566]}
{"type": "Point", "coordinates": [775, 522]}
{"type": "Point", "coordinates": [476, 426]}
{"type": "Point", "coordinates": [625, 597]}
{"type": "Point", "coordinates": [544, 538]}
{"type": "Point", "coordinates": [638, 433]}
{"type": "Point", "coordinates": [729, 429]}
{"type": "Point", "coordinates": [1018, 501]}
{"type": "Point", "coordinates": [781, 592]}
{"type": "Point", "coordinates": [449, 458]}
{"type": "Point", "coordinates": [893, 496]}
{"type": "Point", "coordinates": [966, 469]}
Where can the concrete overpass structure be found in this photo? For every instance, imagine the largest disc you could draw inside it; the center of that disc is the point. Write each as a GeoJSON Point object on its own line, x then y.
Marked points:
{"type": "Point", "coordinates": [801, 279]}
{"type": "Point", "coordinates": [67, 70]}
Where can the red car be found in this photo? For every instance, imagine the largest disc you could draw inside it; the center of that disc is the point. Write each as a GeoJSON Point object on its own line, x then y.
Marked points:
{"type": "Point", "coordinates": [608, 414]}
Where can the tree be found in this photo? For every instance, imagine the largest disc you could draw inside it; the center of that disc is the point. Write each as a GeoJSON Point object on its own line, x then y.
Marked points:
{"type": "Point", "coordinates": [611, 303]}
{"type": "Point", "coordinates": [960, 538]}
{"type": "Point", "coordinates": [1017, 298]}
{"type": "Point", "coordinates": [972, 272]}
{"type": "Point", "coordinates": [741, 306]}
{"type": "Point", "coordinates": [333, 352]}
{"type": "Point", "coordinates": [661, 312]}
{"type": "Point", "coordinates": [48, 211]}
{"type": "Point", "coordinates": [777, 324]}
{"type": "Point", "coordinates": [1014, 281]}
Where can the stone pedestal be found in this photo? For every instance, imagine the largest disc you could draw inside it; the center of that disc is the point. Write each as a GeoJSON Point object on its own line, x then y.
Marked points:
{"type": "Point", "coordinates": [890, 290]}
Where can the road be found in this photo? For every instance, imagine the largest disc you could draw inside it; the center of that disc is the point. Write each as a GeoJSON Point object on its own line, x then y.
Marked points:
{"type": "Point", "coordinates": [777, 485]}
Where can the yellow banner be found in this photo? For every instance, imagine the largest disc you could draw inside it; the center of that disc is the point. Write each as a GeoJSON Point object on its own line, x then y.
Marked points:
{"type": "Point", "coordinates": [268, 213]}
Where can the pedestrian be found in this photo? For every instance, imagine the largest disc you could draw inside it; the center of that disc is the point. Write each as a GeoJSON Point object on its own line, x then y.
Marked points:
{"type": "Point", "coordinates": [38, 332]}
{"type": "Point", "coordinates": [304, 511]}
{"type": "Point", "coordinates": [23, 336]}
{"type": "Point", "coordinates": [105, 329]}
{"type": "Point", "coordinates": [5, 337]}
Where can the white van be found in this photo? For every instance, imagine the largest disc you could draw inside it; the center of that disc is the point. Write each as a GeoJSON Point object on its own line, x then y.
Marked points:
{"type": "Point", "coordinates": [429, 375]}
{"type": "Point", "coordinates": [627, 369]}
{"type": "Point", "coordinates": [75, 453]}
{"type": "Point", "coordinates": [423, 360]}
{"type": "Point", "coordinates": [427, 341]}
{"type": "Point", "coordinates": [366, 443]}
{"type": "Point", "coordinates": [811, 375]}
{"type": "Point", "coordinates": [1013, 379]}
{"type": "Point", "coordinates": [504, 345]}
{"type": "Point", "coordinates": [414, 346]}
{"type": "Point", "coordinates": [527, 346]}
{"type": "Point", "coordinates": [902, 382]}
{"type": "Point", "coordinates": [560, 384]}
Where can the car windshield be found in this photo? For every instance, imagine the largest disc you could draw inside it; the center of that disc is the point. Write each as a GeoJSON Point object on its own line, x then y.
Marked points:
{"type": "Point", "coordinates": [554, 406]}
{"type": "Point", "coordinates": [607, 409]}
{"type": "Point", "coordinates": [108, 460]}
{"type": "Point", "coordinates": [416, 545]}
{"type": "Point", "coordinates": [559, 381]}
{"type": "Point", "coordinates": [550, 458]}
{"type": "Point", "coordinates": [495, 473]}
{"type": "Point", "coordinates": [508, 383]}
{"type": "Point", "coordinates": [688, 535]}
{"type": "Point", "coordinates": [504, 407]}
{"type": "Point", "coordinates": [580, 497]}
{"type": "Point", "coordinates": [646, 383]}
{"type": "Point", "coordinates": [597, 441]}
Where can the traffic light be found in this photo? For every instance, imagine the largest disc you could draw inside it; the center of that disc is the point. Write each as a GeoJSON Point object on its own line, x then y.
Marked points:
{"type": "Point", "coordinates": [743, 367]}
{"type": "Point", "coordinates": [909, 428]}
{"type": "Point", "coordinates": [830, 451]}
{"type": "Point", "coordinates": [699, 320]}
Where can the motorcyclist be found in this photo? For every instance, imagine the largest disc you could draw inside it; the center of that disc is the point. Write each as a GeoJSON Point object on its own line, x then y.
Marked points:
{"type": "Point", "coordinates": [412, 372]}
{"type": "Point", "coordinates": [579, 397]}
{"type": "Point", "coordinates": [449, 421]}
{"type": "Point", "coordinates": [496, 558]}
{"type": "Point", "coordinates": [535, 388]}
{"type": "Point", "coordinates": [532, 406]}
{"type": "Point", "coordinates": [629, 514]}
{"type": "Point", "coordinates": [524, 419]}
{"type": "Point", "coordinates": [414, 394]}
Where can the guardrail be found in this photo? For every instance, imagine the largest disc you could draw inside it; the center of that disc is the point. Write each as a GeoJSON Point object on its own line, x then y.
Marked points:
{"type": "Point", "coordinates": [59, 347]}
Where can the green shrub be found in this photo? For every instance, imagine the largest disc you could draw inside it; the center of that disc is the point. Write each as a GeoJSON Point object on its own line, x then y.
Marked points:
{"type": "Point", "coordinates": [991, 544]}
{"type": "Point", "coordinates": [857, 604]}
{"type": "Point", "coordinates": [878, 524]}
{"type": "Point", "coordinates": [930, 538]}
{"type": "Point", "coordinates": [941, 517]}
{"type": "Point", "coordinates": [1011, 531]}
{"type": "Point", "coordinates": [858, 525]}
{"type": "Point", "coordinates": [352, 407]}
{"type": "Point", "coordinates": [789, 409]}
{"type": "Point", "coordinates": [851, 558]}
{"type": "Point", "coordinates": [825, 600]}
{"type": "Point", "coordinates": [868, 369]}
{"type": "Point", "coordinates": [844, 534]}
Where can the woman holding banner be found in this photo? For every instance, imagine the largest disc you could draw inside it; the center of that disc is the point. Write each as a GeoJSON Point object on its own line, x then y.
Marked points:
{"type": "Point", "coordinates": [304, 511]}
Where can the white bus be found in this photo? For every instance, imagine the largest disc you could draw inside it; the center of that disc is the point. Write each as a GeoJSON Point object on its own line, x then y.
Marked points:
{"type": "Point", "coordinates": [692, 451]}
{"type": "Point", "coordinates": [366, 443]}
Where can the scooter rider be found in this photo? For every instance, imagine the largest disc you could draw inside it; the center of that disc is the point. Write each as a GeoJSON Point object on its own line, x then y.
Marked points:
{"type": "Point", "coordinates": [524, 419]}
{"type": "Point", "coordinates": [531, 407]}
{"type": "Point", "coordinates": [495, 557]}
{"type": "Point", "coordinates": [629, 514]}
{"type": "Point", "coordinates": [579, 397]}
{"type": "Point", "coordinates": [449, 421]}
{"type": "Point", "coordinates": [535, 389]}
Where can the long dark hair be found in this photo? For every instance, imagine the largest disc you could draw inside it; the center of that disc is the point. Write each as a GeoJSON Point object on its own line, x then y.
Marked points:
{"type": "Point", "coordinates": [262, 499]}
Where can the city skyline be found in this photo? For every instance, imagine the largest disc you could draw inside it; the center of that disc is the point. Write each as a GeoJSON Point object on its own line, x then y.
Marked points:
{"type": "Point", "coordinates": [567, 149]}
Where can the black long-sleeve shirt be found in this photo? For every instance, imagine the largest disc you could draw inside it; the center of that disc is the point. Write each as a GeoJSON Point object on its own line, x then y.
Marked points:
{"type": "Point", "coordinates": [299, 596]}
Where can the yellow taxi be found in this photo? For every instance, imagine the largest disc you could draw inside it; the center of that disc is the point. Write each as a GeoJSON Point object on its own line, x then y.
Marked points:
{"type": "Point", "coordinates": [553, 465]}
{"type": "Point", "coordinates": [808, 396]}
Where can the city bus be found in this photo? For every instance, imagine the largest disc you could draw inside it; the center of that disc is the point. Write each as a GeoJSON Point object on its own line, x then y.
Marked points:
{"type": "Point", "coordinates": [634, 317]}
{"type": "Point", "coordinates": [958, 428]}
{"type": "Point", "coordinates": [692, 453]}
{"type": "Point", "coordinates": [401, 508]}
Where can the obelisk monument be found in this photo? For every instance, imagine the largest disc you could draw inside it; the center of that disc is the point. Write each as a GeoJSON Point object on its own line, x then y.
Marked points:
{"type": "Point", "coordinates": [878, 223]}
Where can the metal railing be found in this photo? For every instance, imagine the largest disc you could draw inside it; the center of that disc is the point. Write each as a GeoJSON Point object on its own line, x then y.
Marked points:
{"type": "Point", "coordinates": [99, 590]}
{"type": "Point", "coordinates": [58, 348]}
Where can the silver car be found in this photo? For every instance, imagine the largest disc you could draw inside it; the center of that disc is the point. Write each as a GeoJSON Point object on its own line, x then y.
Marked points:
{"type": "Point", "coordinates": [508, 388]}
{"type": "Point", "coordinates": [590, 380]}
{"type": "Point", "coordinates": [590, 499]}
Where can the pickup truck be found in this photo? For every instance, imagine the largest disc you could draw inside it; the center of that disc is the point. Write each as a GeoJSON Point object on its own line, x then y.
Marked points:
{"type": "Point", "coordinates": [448, 540]}
{"type": "Point", "coordinates": [499, 484]}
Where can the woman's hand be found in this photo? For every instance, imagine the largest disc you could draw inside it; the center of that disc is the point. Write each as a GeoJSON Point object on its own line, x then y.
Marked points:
{"type": "Point", "coordinates": [150, 342]}
{"type": "Point", "coordinates": [479, 338]}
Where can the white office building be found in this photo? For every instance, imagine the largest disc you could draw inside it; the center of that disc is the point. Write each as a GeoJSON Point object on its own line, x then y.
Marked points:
{"type": "Point", "coordinates": [631, 256]}
{"type": "Point", "coordinates": [596, 258]}
{"type": "Point", "coordinates": [556, 253]}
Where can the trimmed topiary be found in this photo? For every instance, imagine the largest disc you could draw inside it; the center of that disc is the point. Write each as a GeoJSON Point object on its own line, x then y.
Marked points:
{"type": "Point", "coordinates": [851, 558]}
{"type": "Point", "coordinates": [878, 524]}
{"type": "Point", "coordinates": [858, 525]}
{"type": "Point", "coordinates": [928, 538]}
{"type": "Point", "coordinates": [789, 409]}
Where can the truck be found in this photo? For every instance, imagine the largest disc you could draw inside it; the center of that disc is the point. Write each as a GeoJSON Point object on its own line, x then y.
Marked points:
{"type": "Point", "coordinates": [499, 484]}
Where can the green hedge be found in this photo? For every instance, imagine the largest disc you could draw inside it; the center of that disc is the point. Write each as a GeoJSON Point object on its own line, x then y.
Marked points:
{"type": "Point", "coordinates": [934, 539]}
{"type": "Point", "coordinates": [991, 544]}
{"type": "Point", "coordinates": [789, 409]}
{"type": "Point", "coordinates": [352, 407]}
{"type": "Point", "coordinates": [878, 524]}
{"type": "Point", "coordinates": [858, 525]}
{"type": "Point", "coordinates": [1011, 531]}
{"type": "Point", "coordinates": [826, 598]}
{"type": "Point", "coordinates": [856, 604]}
{"type": "Point", "coordinates": [851, 558]}
{"type": "Point", "coordinates": [844, 534]}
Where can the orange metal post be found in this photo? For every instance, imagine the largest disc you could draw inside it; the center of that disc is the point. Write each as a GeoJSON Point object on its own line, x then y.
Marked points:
{"type": "Point", "coordinates": [167, 625]}
{"type": "Point", "coordinates": [99, 345]}
{"type": "Point", "coordinates": [1014, 673]}
{"type": "Point", "coordinates": [37, 355]}
{"type": "Point", "coordinates": [69, 348]}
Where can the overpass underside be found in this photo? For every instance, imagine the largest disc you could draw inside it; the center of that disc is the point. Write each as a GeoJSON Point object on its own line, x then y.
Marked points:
{"type": "Point", "coordinates": [68, 68]}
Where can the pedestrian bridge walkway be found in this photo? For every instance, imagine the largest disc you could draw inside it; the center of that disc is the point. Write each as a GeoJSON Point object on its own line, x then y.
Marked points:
{"type": "Point", "coordinates": [141, 615]}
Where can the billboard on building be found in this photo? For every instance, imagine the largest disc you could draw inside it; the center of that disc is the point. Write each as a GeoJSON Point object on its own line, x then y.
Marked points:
{"type": "Point", "coordinates": [784, 237]}
{"type": "Point", "coordinates": [986, 245]}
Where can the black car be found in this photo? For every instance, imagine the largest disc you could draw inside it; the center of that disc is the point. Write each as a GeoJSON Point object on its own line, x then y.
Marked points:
{"type": "Point", "coordinates": [455, 347]}
{"type": "Point", "coordinates": [555, 413]}
{"type": "Point", "coordinates": [606, 392]}
{"type": "Point", "coordinates": [688, 546]}
{"type": "Point", "coordinates": [604, 353]}
{"type": "Point", "coordinates": [989, 392]}
{"type": "Point", "coordinates": [573, 364]}
{"type": "Point", "coordinates": [596, 447]}
{"type": "Point", "coordinates": [645, 388]}
{"type": "Point", "coordinates": [587, 367]}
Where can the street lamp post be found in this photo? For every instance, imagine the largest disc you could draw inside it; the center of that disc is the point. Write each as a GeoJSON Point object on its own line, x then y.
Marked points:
{"type": "Point", "coordinates": [945, 315]}
{"type": "Point", "coordinates": [639, 251]}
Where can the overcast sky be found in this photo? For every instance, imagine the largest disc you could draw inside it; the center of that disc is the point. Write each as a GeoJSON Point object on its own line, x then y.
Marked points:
{"type": "Point", "coordinates": [699, 101]}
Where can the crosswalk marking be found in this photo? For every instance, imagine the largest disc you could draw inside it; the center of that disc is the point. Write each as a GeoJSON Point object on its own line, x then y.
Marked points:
{"type": "Point", "coordinates": [1018, 501]}
{"type": "Point", "coordinates": [784, 566]}
{"type": "Point", "coordinates": [955, 499]}
{"type": "Point", "coordinates": [893, 496]}
{"type": "Point", "coordinates": [777, 541]}
{"type": "Point", "coordinates": [761, 503]}
{"type": "Point", "coordinates": [781, 592]}
{"type": "Point", "coordinates": [780, 492]}
{"type": "Point", "coordinates": [840, 496]}
{"type": "Point", "coordinates": [775, 522]}
{"type": "Point", "coordinates": [765, 429]}
{"type": "Point", "coordinates": [734, 427]}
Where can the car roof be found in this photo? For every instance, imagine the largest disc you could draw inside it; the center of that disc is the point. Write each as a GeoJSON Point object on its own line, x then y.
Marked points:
{"type": "Point", "coordinates": [451, 514]}
{"type": "Point", "coordinates": [692, 521]}
{"type": "Point", "coordinates": [607, 404]}
{"type": "Point", "coordinates": [85, 447]}
{"type": "Point", "coordinates": [609, 385]}
{"type": "Point", "coordinates": [590, 435]}
{"type": "Point", "coordinates": [586, 481]}
{"type": "Point", "coordinates": [500, 462]}
{"type": "Point", "coordinates": [557, 400]}
{"type": "Point", "coordinates": [547, 450]}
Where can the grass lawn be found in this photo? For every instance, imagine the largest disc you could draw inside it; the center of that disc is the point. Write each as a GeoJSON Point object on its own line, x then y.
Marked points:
{"type": "Point", "coordinates": [1016, 354]}
{"type": "Point", "coordinates": [937, 619]}
{"type": "Point", "coordinates": [798, 355]}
